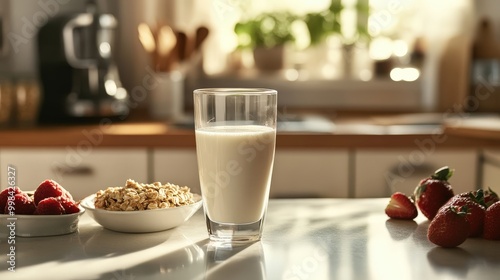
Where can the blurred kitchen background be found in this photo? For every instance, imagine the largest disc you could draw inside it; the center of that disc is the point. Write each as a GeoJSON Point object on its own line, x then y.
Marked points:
{"type": "Point", "coordinates": [374, 55]}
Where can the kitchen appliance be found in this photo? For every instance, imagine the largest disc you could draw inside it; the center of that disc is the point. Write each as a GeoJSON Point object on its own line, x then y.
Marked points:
{"type": "Point", "coordinates": [79, 77]}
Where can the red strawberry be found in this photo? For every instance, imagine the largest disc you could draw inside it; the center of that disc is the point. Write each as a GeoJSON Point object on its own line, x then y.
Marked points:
{"type": "Point", "coordinates": [22, 205]}
{"type": "Point", "coordinates": [4, 195]}
{"type": "Point", "coordinates": [48, 188]}
{"type": "Point", "coordinates": [401, 207]}
{"type": "Point", "coordinates": [490, 197]}
{"type": "Point", "coordinates": [475, 218]}
{"type": "Point", "coordinates": [434, 192]}
{"type": "Point", "coordinates": [49, 206]}
{"type": "Point", "coordinates": [69, 205]}
{"type": "Point", "coordinates": [449, 228]}
{"type": "Point", "coordinates": [492, 222]}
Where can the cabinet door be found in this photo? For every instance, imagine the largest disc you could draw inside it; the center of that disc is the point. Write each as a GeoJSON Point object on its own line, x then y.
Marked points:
{"type": "Point", "coordinates": [177, 166]}
{"type": "Point", "coordinates": [380, 173]}
{"type": "Point", "coordinates": [310, 173]}
{"type": "Point", "coordinates": [80, 172]}
{"type": "Point", "coordinates": [491, 170]}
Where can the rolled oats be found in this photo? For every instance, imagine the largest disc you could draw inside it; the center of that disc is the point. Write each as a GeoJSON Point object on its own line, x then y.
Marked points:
{"type": "Point", "coordinates": [135, 196]}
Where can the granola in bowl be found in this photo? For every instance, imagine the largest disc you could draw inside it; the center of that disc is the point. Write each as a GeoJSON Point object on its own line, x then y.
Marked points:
{"type": "Point", "coordinates": [136, 196]}
{"type": "Point", "coordinates": [137, 208]}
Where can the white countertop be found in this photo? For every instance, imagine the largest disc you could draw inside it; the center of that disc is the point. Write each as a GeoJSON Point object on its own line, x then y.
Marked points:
{"type": "Point", "coordinates": [303, 239]}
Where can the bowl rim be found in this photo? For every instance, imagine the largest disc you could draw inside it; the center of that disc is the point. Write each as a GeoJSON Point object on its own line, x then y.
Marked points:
{"type": "Point", "coordinates": [24, 216]}
{"type": "Point", "coordinates": [88, 204]}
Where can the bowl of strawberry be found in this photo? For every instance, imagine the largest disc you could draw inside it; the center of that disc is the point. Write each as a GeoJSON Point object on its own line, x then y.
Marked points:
{"type": "Point", "coordinates": [48, 210]}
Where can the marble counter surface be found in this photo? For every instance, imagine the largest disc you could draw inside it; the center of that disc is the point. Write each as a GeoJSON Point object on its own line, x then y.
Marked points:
{"type": "Point", "coordinates": [303, 239]}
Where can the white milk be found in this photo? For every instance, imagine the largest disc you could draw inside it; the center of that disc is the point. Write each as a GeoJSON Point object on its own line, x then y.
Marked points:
{"type": "Point", "coordinates": [235, 165]}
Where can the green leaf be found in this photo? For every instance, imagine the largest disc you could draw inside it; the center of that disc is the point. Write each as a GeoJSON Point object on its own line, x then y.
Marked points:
{"type": "Point", "coordinates": [336, 6]}
{"type": "Point", "coordinates": [266, 30]}
{"type": "Point", "coordinates": [444, 173]}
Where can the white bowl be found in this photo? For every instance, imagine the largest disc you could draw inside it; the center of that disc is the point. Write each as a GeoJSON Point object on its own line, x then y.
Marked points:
{"type": "Point", "coordinates": [141, 220]}
{"type": "Point", "coordinates": [40, 225]}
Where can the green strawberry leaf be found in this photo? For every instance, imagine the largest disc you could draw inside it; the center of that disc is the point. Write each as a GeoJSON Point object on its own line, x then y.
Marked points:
{"type": "Point", "coordinates": [479, 197]}
{"type": "Point", "coordinates": [461, 211]}
{"type": "Point", "coordinates": [444, 173]}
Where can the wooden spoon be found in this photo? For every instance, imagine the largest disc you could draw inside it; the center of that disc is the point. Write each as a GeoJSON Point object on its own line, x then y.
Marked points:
{"type": "Point", "coordinates": [182, 45]}
{"type": "Point", "coordinates": [147, 39]}
{"type": "Point", "coordinates": [201, 35]}
{"type": "Point", "coordinates": [166, 44]}
{"type": "Point", "coordinates": [194, 44]}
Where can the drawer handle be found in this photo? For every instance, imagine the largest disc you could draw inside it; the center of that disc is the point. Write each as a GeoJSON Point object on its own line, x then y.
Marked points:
{"type": "Point", "coordinates": [74, 171]}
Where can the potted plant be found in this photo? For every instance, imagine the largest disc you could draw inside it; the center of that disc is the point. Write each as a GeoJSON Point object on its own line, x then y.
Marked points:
{"type": "Point", "coordinates": [266, 35]}
{"type": "Point", "coordinates": [324, 23]}
{"type": "Point", "coordinates": [327, 23]}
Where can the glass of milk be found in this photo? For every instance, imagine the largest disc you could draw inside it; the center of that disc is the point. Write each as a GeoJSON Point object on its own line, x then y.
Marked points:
{"type": "Point", "coordinates": [235, 143]}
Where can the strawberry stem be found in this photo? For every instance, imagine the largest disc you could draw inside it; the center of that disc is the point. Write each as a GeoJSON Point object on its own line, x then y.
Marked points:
{"type": "Point", "coordinates": [444, 173]}
{"type": "Point", "coordinates": [478, 197]}
{"type": "Point", "coordinates": [461, 211]}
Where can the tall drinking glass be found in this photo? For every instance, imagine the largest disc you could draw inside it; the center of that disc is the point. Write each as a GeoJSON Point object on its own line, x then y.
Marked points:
{"type": "Point", "coordinates": [235, 143]}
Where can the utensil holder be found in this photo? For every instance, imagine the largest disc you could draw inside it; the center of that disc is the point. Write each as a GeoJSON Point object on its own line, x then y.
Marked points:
{"type": "Point", "coordinates": [167, 97]}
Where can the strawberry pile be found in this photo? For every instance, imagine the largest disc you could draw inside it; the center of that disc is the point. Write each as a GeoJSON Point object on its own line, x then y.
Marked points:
{"type": "Point", "coordinates": [469, 208]}
{"type": "Point", "coordinates": [49, 198]}
{"type": "Point", "coordinates": [454, 218]}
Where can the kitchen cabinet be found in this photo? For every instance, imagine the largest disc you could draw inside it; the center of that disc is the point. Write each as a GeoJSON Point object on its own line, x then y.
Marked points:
{"type": "Point", "coordinates": [491, 170]}
{"type": "Point", "coordinates": [82, 171]}
{"type": "Point", "coordinates": [177, 166]}
{"type": "Point", "coordinates": [310, 173]}
{"type": "Point", "coordinates": [379, 173]}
